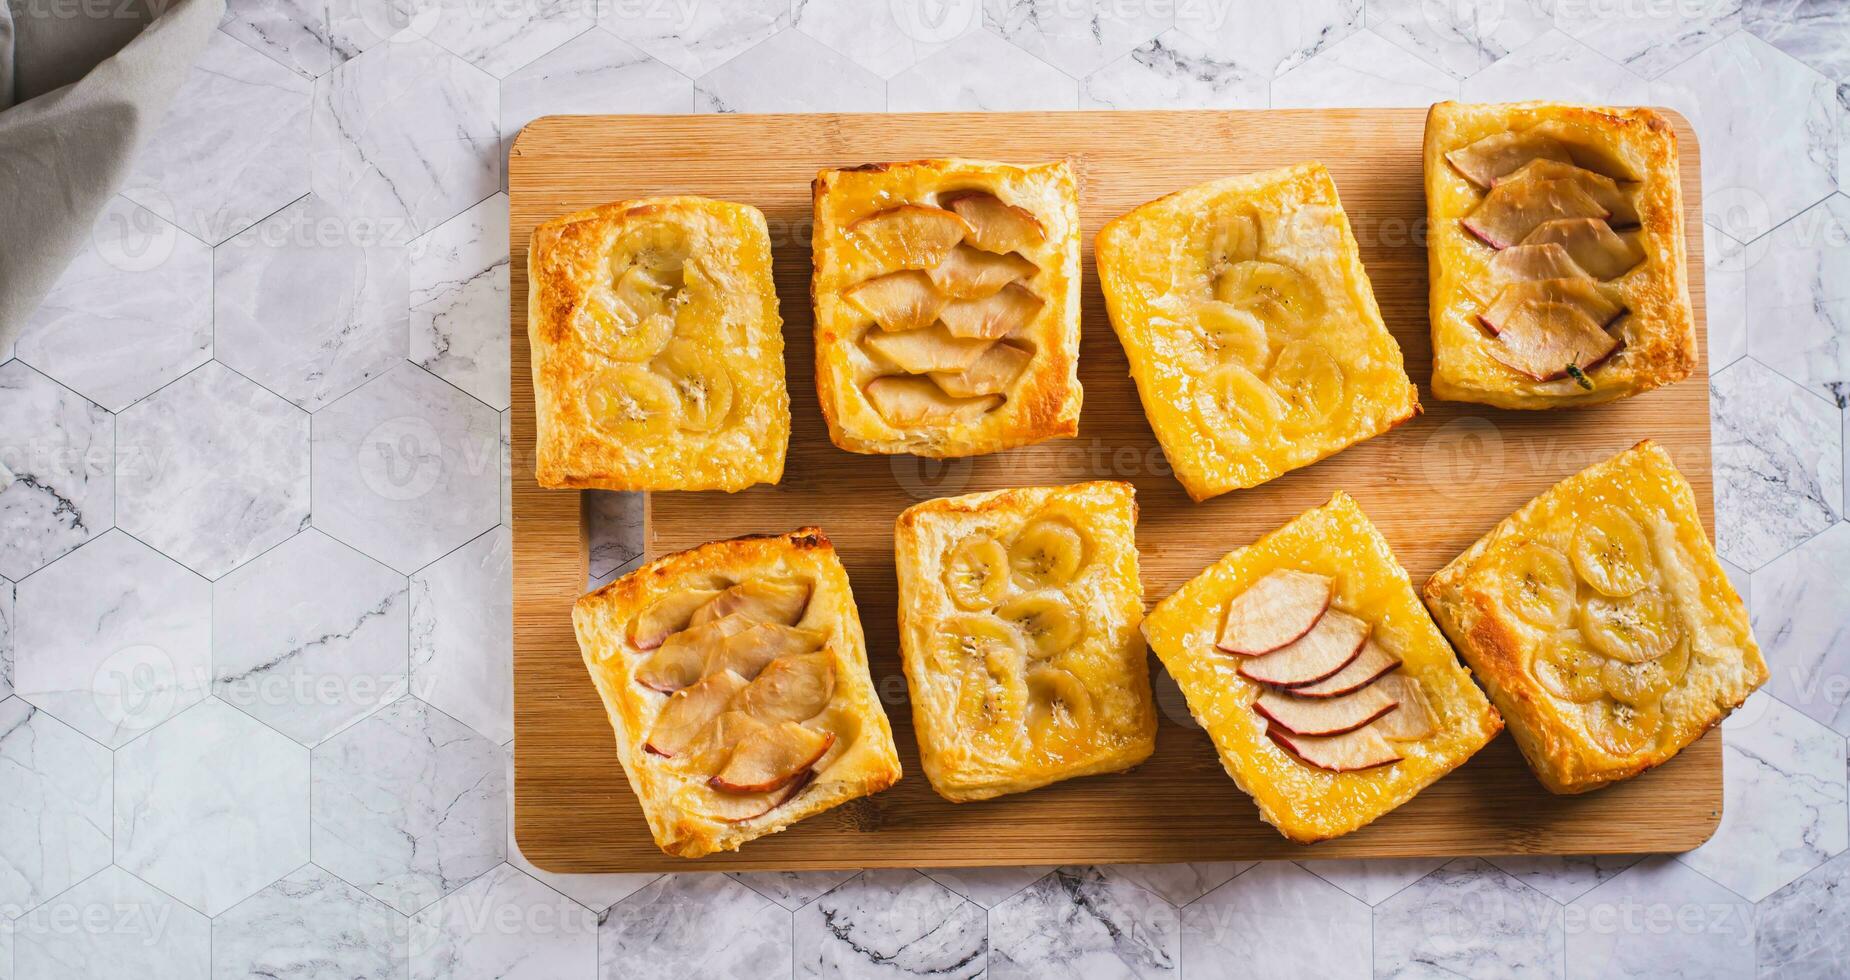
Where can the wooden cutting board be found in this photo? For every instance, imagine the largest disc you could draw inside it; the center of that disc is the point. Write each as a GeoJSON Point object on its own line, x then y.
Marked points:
{"type": "Point", "coordinates": [1432, 486]}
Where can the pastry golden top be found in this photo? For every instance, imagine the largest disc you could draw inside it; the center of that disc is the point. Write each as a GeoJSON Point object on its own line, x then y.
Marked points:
{"type": "Point", "coordinates": [1251, 327]}
{"type": "Point", "coordinates": [658, 353]}
{"type": "Point", "coordinates": [1585, 160]}
{"type": "Point", "coordinates": [1602, 623]}
{"type": "Point", "coordinates": [947, 305]}
{"type": "Point", "coordinates": [1018, 621]}
{"type": "Point", "coordinates": [1304, 802]}
{"type": "Point", "coordinates": [735, 676]}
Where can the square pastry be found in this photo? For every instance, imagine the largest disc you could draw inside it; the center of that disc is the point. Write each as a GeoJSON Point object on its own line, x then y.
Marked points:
{"type": "Point", "coordinates": [1018, 613]}
{"type": "Point", "coordinates": [1251, 327]}
{"type": "Point", "coordinates": [1602, 623]}
{"type": "Point", "coordinates": [947, 305]}
{"type": "Point", "coordinates": [658, 353]}
{"type": "Point", "coordinates": [1329, 693]}
{"type": "Point", "coordinates": [735, 675]}
{"type": "Point", "coordinates": [1557, 254]}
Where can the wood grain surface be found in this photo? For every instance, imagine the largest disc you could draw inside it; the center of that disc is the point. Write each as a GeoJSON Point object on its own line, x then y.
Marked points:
{"type": "Point", "coordinates": [1432, 486]}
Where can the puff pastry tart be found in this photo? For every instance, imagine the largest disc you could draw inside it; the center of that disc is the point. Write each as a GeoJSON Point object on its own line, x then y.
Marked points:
{"type": "Point", "coordinates": [1251, 328]}
{"type": "Point", "coordinates": [735, 675]}
{"type": "Point", "coordinates": [1601, 622]}
{"type": "Point", "coordinates": [947, 305]}
{"type": "Point", "coordinates": [1329, 693]}
{"type": "Point", "coordinates": [1557, 254]}
{"type": "Point", "coordinates": [658, 354]}
{"type": "Point", "coordinates": [1018, 613]}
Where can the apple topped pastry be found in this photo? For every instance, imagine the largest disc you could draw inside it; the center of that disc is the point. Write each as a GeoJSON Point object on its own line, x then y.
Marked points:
{"type": "Point", "coordinates": [1251, 327]}
{"type": "Point", "coordinates": [1602, 623]}
{"type": "Point", "coordinates": [735, 675]}
{"type": "Point", "coordinates": [1557, 254]}
{"type": "Point", "coordinates": [658, 353]}
{"type": "Point", "coordinates": [947, 305]}
{"type": "Point", "coordinates": [1018, 613]}
{"type": "Point", "coordinates": [1328, 692]}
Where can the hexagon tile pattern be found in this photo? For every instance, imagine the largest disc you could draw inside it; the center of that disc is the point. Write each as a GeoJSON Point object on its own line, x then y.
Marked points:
{"type": "Point", "coordinates": [309, 924]}
{"type": "Point", "coordinates": [462, 625]}
{"type": "Point", "coordinates": [57, 470]}
{"type": "Point", "coordinates": [54, 806]}
{"type": "Point", "coordinates": [144, 933]}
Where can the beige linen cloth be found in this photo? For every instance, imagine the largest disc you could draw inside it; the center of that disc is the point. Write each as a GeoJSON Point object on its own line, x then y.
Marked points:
{"type": "Point", "coordinates": [82, 83]}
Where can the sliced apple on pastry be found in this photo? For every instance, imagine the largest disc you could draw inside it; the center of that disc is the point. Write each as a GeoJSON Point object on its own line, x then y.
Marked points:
{"type": "Point", "coordinates": [1329, 647]}
{"type": "Point", "coordinates": [1370, 664]}
{"type": "Point", "coordinates": [910, 236]}
{"type": "Point", "coordinates": [690, 710]}
{"type": "Point", "coordinates": [1274, 611]}
{"type": "Point", "coordinates": [748, 652]}
{"type": "Point", "coordinates": [971, 273]}
{"type": "Point", "coordinates": [1353, 751]}
{"type": "Point", "coordinates": [1325, 716]}
{"type": "Point", "coordinates": [1592, 244]}
{"type": "Point", "coordinates": [791, 688]}
{"type": "Point", "coordinates": [994, 316]}
{"type": "Point", "coordinates": [904, 300]}
{"type": "Point", "coordinates": [1584, 295]}
{"type": "Point", "coordinates": [990, 374]}
{"type": "Point", "coordinates": [667, 616]}
{"type": "Point", "coordinates": [995, 225]}
{"type": "Point", "coordinates": [1413, 719]}
{"type": "Point", "coordinates": [1526, 262]}
{"type": "Point", "coordinates": [932, 348]}
{"type": "Point", "coordinates": [683, 658]}
{"type": "Point", "coordinates": [738, 807]}
{"type": "Point", "coordinates": [909, 401]}
{"type": "Point", "coordinates": [770, 757]}
{"type": "Point", "coordinates": [1513, 209]}
{"type": "Point", "coordinates": [759, 601]}
{"type": "Point", "coordinates": [1484, 161]}
{"type": "Point", "coordinates": [1547, 341]}
{"type": "Point", "coordinates": [1616, 199]}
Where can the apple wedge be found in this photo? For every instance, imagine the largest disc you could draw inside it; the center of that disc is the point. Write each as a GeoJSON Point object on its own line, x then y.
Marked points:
{"type": "Point", "coordinates": [758, 600]}
{"type": "Point", "coordinates": [1411, 721]}
{"type": "Point", "coordinates": [1513, 209]}
{"type": "Point", "coordinates": [1325, 716]}
{"type": "Point", "coordinates": [994, 316]}
{"type": "Point", "coordinates": [908, 401]}
{"type": "Point", "coordinates": [1584, 295]}
{"type": "Point", "coordinates": [1592, 244]}
{"type": "Point", "coordinates": [1275, 611]}
{"type": "Point", "coordinates": [970, 273]}
{"type": "Point", "coordinates": [690, 710]}
{"type": "Point", "coordinates": [1371, 663]}
{"type": "Point", "coordinates": [770, 757]}
{"type": "Point", "coordinates": [932, 348]}
{"type": "Point", "coordinates": [750, 651]}
{"type": "Point", "coordinates": [735, 807]}
{"type": "Point", "coordinates": [1329, 647]}
{"type": "Point", "coordinates": [682, 658]}
{"type": "Point", "coordinates": [904, 300]}
{"type": "Point", "coordinates": [1526, 262]}
{"type": "Point", "coordinates": [667, 616]}
{"type": "Point", "coordinates": [791, 688]}
{"type": "Point", "coordinates": [990, 374]}
{"type": "Point", "coordinates": [1546, 341]}
{"type": "Point", "coordinates": [1363, 748]}
{"type": "Point", "coordinates": [911, 236]}
{"type": "Point", "coordinates": [995, 225]}
{"type": "Point", "coordinates": [1484, 161]}
{"type": "Point", "coordinates": [1615, 199]}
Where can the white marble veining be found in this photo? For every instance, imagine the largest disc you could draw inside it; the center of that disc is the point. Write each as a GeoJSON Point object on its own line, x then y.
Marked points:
{"type": "Point", "coordinates": [507, 468]}
{"type": "Point", "coordinates": [309, 925]}
{"type": "Point", "coordinates": [988, 887]}
{"type": "Point", "coordinates": [1178, 884]}
{"type": "Point", "coordinates": [310, 37]}
{"type": "Point", "coordinates": [500, 36]}
{"type": "Point", "coordinates": [1778, 463]}
{"type": "Point", "coordinates": [1564, 877]}
{"type": "Point", "coordinates": [695, 925]}
{"type": "Point", "coordinates": [462, 625]}
{"type": "Point", "coordinates": [132, 311]}
{"type": "Point", "coordinates": [7, 593]}
{"type": "Point", "coordinates": [885, 38]}
{"type": "Point", "coordinates": [1808, 30]}
{"type": "Point", "coordinates": [57, 470]}
{"type": "Point", "coordinates": [1660, 919]}
{"type": "Point", "coordinates": [891, 923]}
{"type": "Point", "coordinates": [1076, 36]}
{"type": "Point", "coordinates": [1798, 289]}
{"type": "Point", "coordinates": [1270, 37]}
{"type": "Point", "coordinates": [212, 470]}
{"type": "Point", "coordinates": [1648, 37]}
{"type": "Point", "coordinates": [1273, 921]}
{"type": "Point", "coordinates": [1172, 69]}
{"type": "Point", "coordinates": [1468, 919]}
{"type": "Point", "coordinates": [791, 72]}
{"type": "Point", "coordinates": [980, 72]}
{"type": "Point", "coordinates": [694, 38]}
{"type": "Point", "coordinates": [504, 926]}
{"type": "Point", "coordinates": [791, 889]}
{"type": "Point", "coordinates": [1080, 922]}
{"type": "Point", "coordinates": [1462, 38]}
{"type": "Point", "coordinates": [1362, 70]}
{"type": "Point", "coordinates": [1724, 273]}
{"type": "Point", "coordinates": [54, 807]}
{"type": "Point", "coordinates": [113, 639]}
{"type": "Point", "coordinates": [1555, 66]}
{"type": "Point", "coordinates": [1798, 614]}
{"type": "Point", "coordinates": [1803, 930]}
{"type": "Point", "coordinates": [592, 73]}
{"type": "Point", "coordinates": [459, 297]}
{"type": "Point", "coordinates": [613, 528]}
{"type": "Point", "coordinates": [309, 637]}
{"type": "Point", "coordinates": [111, 926]}
{"type": "Point", "coordinates": [1372, 881]}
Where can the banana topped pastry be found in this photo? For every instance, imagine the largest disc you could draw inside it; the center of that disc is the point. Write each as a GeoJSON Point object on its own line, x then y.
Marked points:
{"type": "Point", "coordinates": [658, 352]}
{"type": "Point", "coordinates": [1251, 327]}
{"type": "Point", "coordinates": [947, 305]}
{"type": "Point", "coordinates": [735, 676]}
{"type": "Point", "coordinates": [1557, 254]}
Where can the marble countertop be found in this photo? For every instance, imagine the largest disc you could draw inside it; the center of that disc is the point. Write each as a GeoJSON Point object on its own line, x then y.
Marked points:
{"type": "Point", "coordinates": [254, 554]}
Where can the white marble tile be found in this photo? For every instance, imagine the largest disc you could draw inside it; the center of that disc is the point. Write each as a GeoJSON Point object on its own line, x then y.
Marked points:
{"type": "Point", "coordinates": [462, 634]}
{"type": "Point", "coordinates": [613, 528]}
{"type": "Point", "coordinates": [1175, 70]}
{"type": "Point", "coordinates": [211, 807]}
{"type": "Point", "coordinates": [1468, 919]}
{"type": "Point", "coordinates": [1810, 31]}
{"type": "Point", "coordinates": [57, 470]}
{"type": "Point", "coordinates": [791, 72]}
{"type": "Point", "coordinates": [1564, 877]}
{"type": "Point", "coordinates": [1362, 70]}
{"type": "Point", "coordinates": [1798, 614]}
{"type": "Point", "coordinates": [113, 639]}
{"type": "Point", "coordinates": [1273, 921]}
{"type": "Point", "coordinates": [232, 148]}
{"type": "Point", "coordinates": [1077, 36]}
{"type": "Point", "coordinates": [1555, 66]}
{"type": "Point", "coordinates": [1803, 930]}
{"type": "Point", "coordinates": [7, 592]}
{"type": "Point", "coordinates": [459, 301]}
{"type": "Point", "coordinates": [131, 312]}
{"type": "Point", "coordinates": [54, 807]}
{"type": "Point", "coordinates": [694, 38]}
{"type": "Point", "coordinates": [1372, 881]}
{"type": "Point", "coordinates": [436, 153]}
{"type": "Point", "coordinates": [1461, 38]}
{"type": "Point", "coordinates": [109, 927]}
{"type": "Point", "coordinates": [988, 887]}
{"type": "Point", "coordinates": [1648, 37]}
{"type": "Point", "coordinates": [1725, 263]}
{"type": "Point", "coordinates": [212, 470]}
{"type": "Point", "coordinates": [1783, 800]}
{"type": "Point", "coordinates": [503, 35]}
{"type": "Point", "coordinates": [311, 36]}
{"type": "Point", "coordinates": [1769, 129]}
{"type": "Point", "coordinates": [310, 303]}
{"type": "Point", "coordinates": [1660, 919]}
{"type": "Point", "coordinates": [1270, 37]}
{"type": "Point", "coordinates": [309, 925]}
{"type": "Point", "coordinates": [504, 926]}
{"type": "Point", "coordinates": [892, 923]}
{"type": "Point", "coordinates": [309, 637]}
{"type": "Point", "coordinates": [792, 889]}
{"type": "Point", "coordinates": [695, 925]}
{"type": "Point", "coordinates": [1741, 581]}
{"type": "Point", "coordinates": [1177, 884]}
{"type": "Point", "coordinates": [597, 892]}
{"type": "Point", "coordinates": [1778, 463]}
{"type": "Point", "coordinates": [592, 73]}
{"type": "Point", "coordinates": [409, 805]}
{"type": "Point", "coordinates": [507, 468]}
{"type": "Point", "coordinates": [1077, 922]}
{"type": "Point", "coordinates": [1798, 289]}
{"type": "Point", "coordinates": [406, 468]}
{"type": "Point", "coordinates": [981, 72]}
{"type": "Point", "coordinates": [886, 38]}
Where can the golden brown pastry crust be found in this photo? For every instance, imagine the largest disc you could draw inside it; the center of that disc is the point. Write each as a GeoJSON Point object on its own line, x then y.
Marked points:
{"type": "Point", "coordinates": [863, 759]}
{"type": "Point", "coordinates": [1476, 599]}
{"type": "Point", "coordinates": [1658, 335]}
{"type": "Point", "coordinates": [1305, 803]}
{"type": "Point", "coordinates": [726, 319]}
{"type": "Point", "coordinates": [967, 752]}
{"type": "Point", "coordinates": [1043, 402]}
{"type": "Point", "coordinates": [1160, 296]}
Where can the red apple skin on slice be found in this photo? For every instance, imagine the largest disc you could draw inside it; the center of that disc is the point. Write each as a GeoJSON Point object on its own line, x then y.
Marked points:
{"type": "Point", "coordinates": [1500, 154]}
{"type": "Point", "coordinates": [690, 710]}
{"type": "Point", "coordinates": [1370, 664]}
{"type": "Point", "coordinates": [1325, 716]}
{"type": "Point", "coordinates": [1275, 611]}
{"type": "Point", "coordinates": [1513, 209]}
{"type": "Point", "coordinates": [668, 616]}
{"type": "Point", "coordinates": [759, 601]}
{"type": "Point", "coordinates": [770, 757]}
{"type": "Point", "coordinates": [792, 688]}
{"type": "Point", "coordinates": [749, 651]}
{"type": "Point", "coordinates": [1353, 751]}
{"type": "Point", "coordinates": [1336, 640]}
{"type": "Point", "coordinates": [1541, 339]}
{"type": "Point", "coordinates": [682, 658]}
{"type": "Point", "coordinates": [1413, 720]}
{"type": "Point", "coordinates": [734, 807]}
